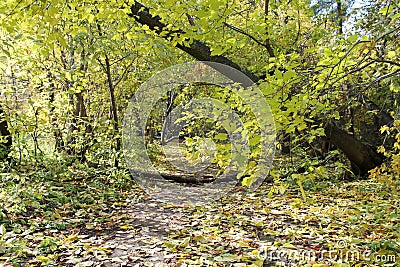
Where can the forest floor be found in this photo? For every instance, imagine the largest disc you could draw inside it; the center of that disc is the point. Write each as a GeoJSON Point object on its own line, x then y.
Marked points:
{"type": "Point", "coordinates": [101, 218]}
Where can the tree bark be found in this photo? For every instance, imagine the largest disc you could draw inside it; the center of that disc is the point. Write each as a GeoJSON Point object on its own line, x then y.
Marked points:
{"type": "Point", "coordinates": [198, 178]}
{"type": "Point", "coordinates": [362, 156]}
{"type": "Point", "coordinates": [267, 41]}
{"type": "Point", "coordinates": [113, 109]}
{"type": "Point", "coordinates": [4, 132]}
{"type": "Point", "coordinates": [339, 11]}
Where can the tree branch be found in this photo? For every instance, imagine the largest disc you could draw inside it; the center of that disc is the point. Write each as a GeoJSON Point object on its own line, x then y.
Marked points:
{"type": "Point", "coordinates": [196, 49]}
{"type": "Point", "coordinates": [387, 61]}
{"type": "Point", "coordinates": [245, 33]}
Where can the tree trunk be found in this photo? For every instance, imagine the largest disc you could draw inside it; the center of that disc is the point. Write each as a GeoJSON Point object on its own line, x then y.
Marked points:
{"type": "Point", "coordinates": [80, 117]}
{"type": "Point", "coordinates": [59, 141]}
{"type": "Point", "coordinates": [340, 14]}
{"type": "Point", "coordinates": [4, 133]}
{"type": "Point", "coordinates": [267, 41]}
{"type": "Point", "coordinates": [362, 156]}
{"type": "Point", "coordinates": [113, 110]}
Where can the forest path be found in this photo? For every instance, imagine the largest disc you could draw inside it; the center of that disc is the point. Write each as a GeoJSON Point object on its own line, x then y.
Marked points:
{"type": "Point", "coordinates": [237, 229]}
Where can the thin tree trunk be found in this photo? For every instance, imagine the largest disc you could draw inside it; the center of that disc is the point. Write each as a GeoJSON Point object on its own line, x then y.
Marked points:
{"type": "Point", "coordinates": [267, 41]}
{"type": "Point", "coordinates": [5, 148]}
{"type": "Point", "coordinates": [79, 117]}
{"type": "Point", "coordinates": [339, 16]}
{"type": "Point", "coordinates": [59, 142]}
{"type": "Point", "coordinates": [114, 110]}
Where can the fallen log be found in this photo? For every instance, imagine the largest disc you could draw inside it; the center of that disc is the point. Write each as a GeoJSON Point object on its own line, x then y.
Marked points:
{"type": "Point", "coordinates": [191, 178]}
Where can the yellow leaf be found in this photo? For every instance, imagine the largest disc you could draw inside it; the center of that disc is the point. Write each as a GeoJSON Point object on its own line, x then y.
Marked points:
{"type": "Point", "coordinates": [381, 149]}
{"type": "Point", "coordinates": [90, 18]}
{"type": "Point", "coordinates": [43, 259]}
{"type": "Point", "coordinates": [391, 54]}
{"type": "Point", "coordinates": [52, 11]}
{"type": "Point", "coordinates": [385, 129]}
{"type": "Point", "coordinates": [70, 238]}
{"type": "Point", "coordinates": [258, 224]}
{"type": "Point", "coordinates": [247, 181]}
{"type": "Point", "coordinates": [266, 210]}
{"type": "Point", "coordinates": [170, 244]}
{"type": "Point", "coordinates": [396, 146]}
{"type": "Point", "coordinates": [126, 227]}
{"type": "Point", "coordinates": [243, 244]}
{"type": "Point", "coordinates": [288, 245]}
{"type": "Point", "coordinates": [185, 242]}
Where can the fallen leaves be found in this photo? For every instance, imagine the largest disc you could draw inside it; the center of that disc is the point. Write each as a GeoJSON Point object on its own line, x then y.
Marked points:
{"type": "Point", "coordinates": [53, 225]}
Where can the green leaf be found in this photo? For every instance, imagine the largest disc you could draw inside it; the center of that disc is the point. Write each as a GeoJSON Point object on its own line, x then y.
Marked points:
{"type": "Point", "coordinates": [395, 17]}
{"type": "Point", "coordinates": [353, 38]}
{"type": "Point", "coordinates": [247, 181]}
{"type": "Point", "coordinates": [365, 38]}
{"type": "Point", "coordinates": [255, 140]}
{"type": "Point", "coordinates": [43, 259]}
{"type": "Point", "coordinates": [289, 74]}
{"type": "Point", "coordinates": [221, 136]}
